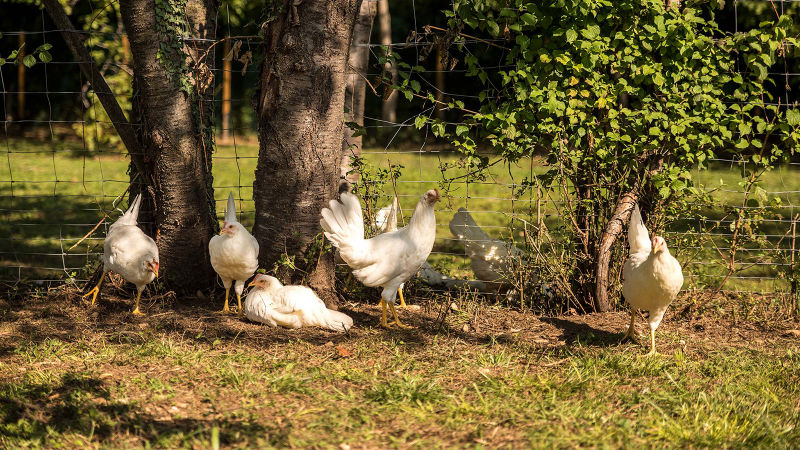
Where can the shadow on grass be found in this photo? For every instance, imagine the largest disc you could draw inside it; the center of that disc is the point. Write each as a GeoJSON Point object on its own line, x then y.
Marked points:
{"type": "Point", "coordinates": [585, 334]}
{"type": "Point", "coordinates": [83, 404]}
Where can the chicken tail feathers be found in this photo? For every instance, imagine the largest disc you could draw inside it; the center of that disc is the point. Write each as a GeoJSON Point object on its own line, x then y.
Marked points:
{"type": "Point", "coordinates": [344, 225]}
{"type": "Point", "coordinates": [337, 321]}
{"type": "Point", "coordinates": [638, 237]}
{"type": "Point", "coordinates": [131, 216]}
{"type": "Point", "coordinates": [230, 209]}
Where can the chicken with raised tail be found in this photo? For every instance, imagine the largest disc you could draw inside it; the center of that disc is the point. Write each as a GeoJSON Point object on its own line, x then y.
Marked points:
{"type": "Point", "coordinates": [387, 260]}
{"type": "Point", "coordinates": [652, 277]}
{"type": "Point", "coordinates": [274, 304]}
{"type": "Point", "coordinates": [130, 253]}
{"type": "Point", "coordinates": [234, 254]}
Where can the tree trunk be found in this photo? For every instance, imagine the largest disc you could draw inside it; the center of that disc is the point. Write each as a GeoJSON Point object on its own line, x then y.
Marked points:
{"type": "Point", "coordinates": [300, 107]}
{"type": "Point", "coordinates": [616, 224]}
{"type": "Point", "coordinates": [356, 90]}
{"type": "Point", "coordinates": [21, 78]}
{"type": "Point", "coordinates": [174, 108]}
{"type": "Point", "coordinates": [226, 93]}
{"type": "Point", "coordinates": [389, 112]}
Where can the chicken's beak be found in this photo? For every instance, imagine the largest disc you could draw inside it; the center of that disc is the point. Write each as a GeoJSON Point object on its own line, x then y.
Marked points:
{"type": "Point", "coordinates": [252, 283]}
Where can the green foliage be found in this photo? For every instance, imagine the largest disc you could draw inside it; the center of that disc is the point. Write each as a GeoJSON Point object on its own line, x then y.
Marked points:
{"type": "Point", "coordinates": [618, 96]}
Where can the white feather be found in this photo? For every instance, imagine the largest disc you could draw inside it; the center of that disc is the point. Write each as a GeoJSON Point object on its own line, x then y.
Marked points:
{"type": "Point", "coordinates": [127, 249]}
{"type": "Point", "coordinates": [386, 260]}
{"type": "Point", "coordinates": [651, 280]}
{"type": "Point", "coordinates": [234, 256]}
{"type": "Point", "coordinates": [291, 307]}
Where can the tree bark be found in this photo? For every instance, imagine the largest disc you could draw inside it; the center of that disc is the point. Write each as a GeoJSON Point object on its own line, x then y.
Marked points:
{"type": "Point", "coordinates": [300, 107]}
{"type": "Point", "coordinates": [356, 90]}
{"type": "Point", "coordinates": [616, 224]}
{"type": "Point", "coordinates": [389, 112]}
{"type": "Point", "coordinates": [176, 141]}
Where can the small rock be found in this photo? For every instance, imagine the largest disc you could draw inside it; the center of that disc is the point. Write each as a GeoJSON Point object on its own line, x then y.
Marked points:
{"type": "Point", "coordinates": [329, 344]}
{"type": "Point", "coordinates": [344, 446]}
{"type": "Point", "coordinates": [465, 328]}
{"type": "Point", "coordinates": [453, 306]}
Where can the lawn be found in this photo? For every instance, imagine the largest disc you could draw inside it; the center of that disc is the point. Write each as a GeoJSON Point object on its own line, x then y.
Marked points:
{"type": "Point", "coordinates": [52, 195]}
{"type": "Point", "coordinates": [480, 376]}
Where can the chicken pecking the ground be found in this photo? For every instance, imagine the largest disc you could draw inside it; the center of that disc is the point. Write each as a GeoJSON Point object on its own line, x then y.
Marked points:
{"type": "Point", "coordinates": [652, 277]}
{"type": "Point", "coordinates": [274, 304]}
{"type": "Point", "coordinates": [491, 260]}
{"type": "Point", "coordinates": [387, 260]}
{"type": "Point", "coordinates": [130, 253]}
{"type": "Point", "coordinates": [234, 254]}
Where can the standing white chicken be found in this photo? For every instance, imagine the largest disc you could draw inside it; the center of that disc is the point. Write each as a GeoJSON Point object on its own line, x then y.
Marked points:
{"type": "Point", "coordinates": [386, 260]}
{"type": "Point", "coordinates": [234, 254]}
{"type": "Point", "coordinates": [130, 253]}
{"type": "Point", "coordinates": [651, 276]}
{"type": "Point", "coordinates": [274, 304]}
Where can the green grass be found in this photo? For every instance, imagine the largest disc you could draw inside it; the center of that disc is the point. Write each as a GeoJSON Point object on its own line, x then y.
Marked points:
{"type": "Point", "coordinates": [171, 391]}
{"type": "Point", "coordinates": [56, 197]}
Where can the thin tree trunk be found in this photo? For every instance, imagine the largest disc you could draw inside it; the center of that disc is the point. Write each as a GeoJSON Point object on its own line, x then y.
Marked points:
{"type": "Point", "coordinates": [226, 93]}
{"type": "Point", "coordinates": [356, 90]}
{"type": "Point", "coordinates": [616, 224]}
{"type": "Point", "coordinates": [389, 112]}
{"type": "Point", "coordinates": [439, 84]}
{"type": "Point", "coordinates": [299, 108]}
{"type": "Point", "coordinates": [176, 141]}
{"type": "Point", "coordinates": [21, 78]}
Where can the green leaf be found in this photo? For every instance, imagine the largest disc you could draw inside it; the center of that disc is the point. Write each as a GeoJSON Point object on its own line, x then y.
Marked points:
{"type": "Point", "coordinates": [45, 57]}
{"type": "Point", "coordinates": [419, 122]}
{"type": "Point", "coordinates": [415, 85]}
{"type": "Point", "coordinates": [461, 129]}
{"type": "Point", "coordinates": [571, 35]}
{"type": "Point", "coordinates": [29, 61]}
{"type": "Point", "coordinates": [793, 117]}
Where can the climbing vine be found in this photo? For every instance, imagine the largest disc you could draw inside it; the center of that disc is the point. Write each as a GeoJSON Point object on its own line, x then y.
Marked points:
{"type": "Point", "coordinates": [172, 27]}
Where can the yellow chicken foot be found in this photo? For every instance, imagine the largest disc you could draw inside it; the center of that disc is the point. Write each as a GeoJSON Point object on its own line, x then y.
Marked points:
{"type": "Point", "coordinates": [225, 309]}
{"type": "Point", "coordinates": [397, 319]}
{"type": "Point", "coordinates": [652, 343]}
{"type": "Point", "coordinates": [383, 315]}
{"type": "Point", "coordinates": [631, 333]}
{"type": "Point", "coordinates": [95, 290]}
{"type": "Point", "coordinates": [239, 300]}
{"type": "Point", "coordinates": [400, 293]}
{"type": "Point", "coordinates": [136, 311]}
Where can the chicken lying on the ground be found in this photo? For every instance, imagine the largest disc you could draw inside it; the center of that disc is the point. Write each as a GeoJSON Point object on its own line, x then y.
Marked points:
{"type": "Point", "coordinates": [234, 254]}
{"type": "Point", "coordinates": [386, 260]}
{"type": "Point", "coordinates": [274, 304]}
{"type": "Point", "coordinates": [130, 253]}
{"type": "Point", "coordinates": [651, 276]}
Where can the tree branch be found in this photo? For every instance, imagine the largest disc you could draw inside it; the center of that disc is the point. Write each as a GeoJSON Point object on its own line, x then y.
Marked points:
{"type": "Point", "coordinates": [101, 88]}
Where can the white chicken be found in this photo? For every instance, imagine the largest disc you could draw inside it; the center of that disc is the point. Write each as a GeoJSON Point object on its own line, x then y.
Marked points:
{"type": "Point", "coordinates": [386, 260]}
{"type": "Point", "coordinates": [651, 276]}
{"type": "Point", "coordinates": [234, 254]}
{"type": "Point", "coordinates": [490, 259]}
{"type": "Point", "coordinates": [130, 253]}
{"type": "Point", "coordinates": [274, 304]}
{"type": "Point", "coordinates": [385, 221]}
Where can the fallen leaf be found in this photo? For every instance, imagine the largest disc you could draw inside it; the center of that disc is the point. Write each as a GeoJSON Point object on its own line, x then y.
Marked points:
{"type": "Point", "coordinates": [343, 352]}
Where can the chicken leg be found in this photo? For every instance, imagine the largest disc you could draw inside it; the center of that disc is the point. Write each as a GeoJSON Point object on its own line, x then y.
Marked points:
{"type": "Point", "coordinates": [652, 342]}
{"type": "Point", "coordinates": [397, 319]}
{"type": "Point", "coordinates": [631, 333]}
{"type": "Point", "coordinates": [225, 309]}
{"type": "Point", "coordinates": [136, 311]}
{"type": "Point", "coordinates": [95, 290]}
{"type": "Point", "coordinates": [400, 293]}
{"type": "Point", "coordinates": [383, 314]}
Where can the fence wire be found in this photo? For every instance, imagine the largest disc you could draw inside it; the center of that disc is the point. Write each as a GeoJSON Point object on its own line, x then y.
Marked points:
{"type": "Point", "coordinates": [64, 180]}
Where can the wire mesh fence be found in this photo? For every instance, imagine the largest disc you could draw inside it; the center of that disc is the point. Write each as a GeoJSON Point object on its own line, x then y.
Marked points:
{"type": "Point", "coordinates": [64, 176]}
